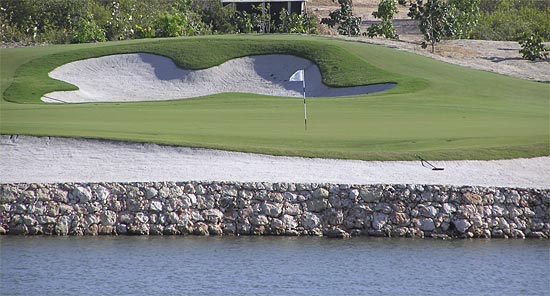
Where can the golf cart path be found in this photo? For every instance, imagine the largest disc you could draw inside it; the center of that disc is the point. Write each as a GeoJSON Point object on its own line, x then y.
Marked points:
{"type": "Point", "coordinates": [27, 159]}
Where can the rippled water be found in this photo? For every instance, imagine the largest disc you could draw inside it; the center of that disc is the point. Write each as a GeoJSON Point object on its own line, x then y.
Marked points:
{"type": "Point", "coordinates": [271, 265]}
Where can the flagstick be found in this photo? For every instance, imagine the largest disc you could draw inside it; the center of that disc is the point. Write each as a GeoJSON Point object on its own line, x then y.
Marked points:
{"type": "Point", "coordinates": [305, 106]}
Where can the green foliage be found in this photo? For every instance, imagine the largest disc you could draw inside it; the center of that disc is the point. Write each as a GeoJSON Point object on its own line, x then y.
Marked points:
{"type": "Point", "coordinates": [532, 47]}
{"type": "Point", "coordinates": [177, 24]}
{"type": "Point", "coordinates": [217, 16]}
{"type": "Point", "coordinates": [386, 10]}
{"type": "Point", "coordinates": [466, 14]}
{"type": "Point", "coordinates": [296, 23]}
{"type": "Point", "coordinates": [509, 19]}
{"type": "Point", "coordinates": [436, 20]}
{"type": "Point", "coordinates": [88, 31]}
{"type": "Point", "coordinates": [343, 19]}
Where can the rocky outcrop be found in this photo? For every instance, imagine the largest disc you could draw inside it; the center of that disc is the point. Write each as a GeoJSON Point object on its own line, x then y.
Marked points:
{"type": "Point", "coordinates": [230, 208]}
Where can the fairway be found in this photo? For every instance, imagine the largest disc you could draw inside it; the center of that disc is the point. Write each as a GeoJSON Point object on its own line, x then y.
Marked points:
{"type": "Point", "coordinates": [437, 110]}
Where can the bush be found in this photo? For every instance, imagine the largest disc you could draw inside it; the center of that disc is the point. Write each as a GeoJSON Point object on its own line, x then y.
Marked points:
{"type": "Point", "coordinates": [296, 23]}
{"type": "Point", "coordinates": [88, 31]}
{"type": "Point", "coordinates": [509, 19]}
{"type": "Point", "coordinates": [532, 47]}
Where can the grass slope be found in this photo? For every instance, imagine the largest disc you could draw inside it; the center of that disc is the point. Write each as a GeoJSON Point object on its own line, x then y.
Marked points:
{"type": "Point", "coordinates": [438, 110]}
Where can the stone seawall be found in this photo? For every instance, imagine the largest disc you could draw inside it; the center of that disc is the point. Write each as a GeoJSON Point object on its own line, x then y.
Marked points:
{"type": "Point", "coordinates": [232, 208]}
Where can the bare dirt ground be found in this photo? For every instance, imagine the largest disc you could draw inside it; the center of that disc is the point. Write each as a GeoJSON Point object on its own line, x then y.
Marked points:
{"type": "Point", "coordinates": [501, 57]}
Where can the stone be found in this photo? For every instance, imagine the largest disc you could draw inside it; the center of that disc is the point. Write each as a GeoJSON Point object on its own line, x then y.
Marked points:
{"type": "Point", "coordinates": [334, 217]}
{"type": "Point", "coordinates": [102, 193]}
{"type": "Point", "coordinates": [62, 226]}
{"type": "Point", "coordinates": [150, 192]}
{"type": "Point", "coordinates": [271, 210]}
{"type": "Point", "coordinates": [289, 221]}
{"type": "Point", "coordinates": [201, 229]}
{"type": "Point", "coordinates": [461, 225]}
{"type": "Point", "coordinates": [370, 196]}
{"type": "Point", "coordinates": [156, 229]}
{"type": "Point", "coordinates": [259, 220]}
{"type": "Point", "coordinates": [292, 209]}
{"type": "Point", "coordinates": [290, 196]}
{"type": "Point", "coordinates": [337, 233]}
{"type": "Point", "coordinates": [379, 220]}
{"type": "Point", "coordinates": [141, 229]}
{"type": "Point", "coordinates": [277, 225]}
{"type": "Point", "coordinates": [156, 206]}
{"type": "Point", "coordinates": [141, 218]}
{"type": "Point", "coordinates": [320, 193]}
{"type": "Point", "coordinates": [427, 211]}
{"type": "Point", "coordinates": [310, 220]}
{"type": "Point", "coordinates": [401, 219]}
{"type": "Point", "coordinates": [383, 207]}
{"type": "Point", "coordinates": [215, 230]}
{"type": "Point", "coordinates": [82, 194]}
{"type": "Point", "coordinates": [516, 233]}
{"type": "Point", "coordinates": [212, 216]}
{"type": "Point", "coordinates": [121, 229]}
{"type": "Point", "coordinates": [353, 193]}
{"type": "Point", "coordinates": [427, 224]}
{"type": "Point", "coordinates": [106, 230]}
{"type": "Point", "coordinates": [472, 198]}
{"type": "Point", "coordinates": [125, 218]}
{"type": "Point", "coordinates": [317, 204]}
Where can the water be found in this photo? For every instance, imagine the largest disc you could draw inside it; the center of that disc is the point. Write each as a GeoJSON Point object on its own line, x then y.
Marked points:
{"type": "Point", "coordinates": [271, 265]}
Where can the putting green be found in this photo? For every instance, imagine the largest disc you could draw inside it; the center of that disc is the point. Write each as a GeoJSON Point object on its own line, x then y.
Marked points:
{"type": "Point", "coordinates": [437, 110]}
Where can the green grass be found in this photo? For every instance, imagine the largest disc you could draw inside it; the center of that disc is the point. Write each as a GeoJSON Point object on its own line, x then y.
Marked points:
{"type": "Point", "coordinates": [438, 110]}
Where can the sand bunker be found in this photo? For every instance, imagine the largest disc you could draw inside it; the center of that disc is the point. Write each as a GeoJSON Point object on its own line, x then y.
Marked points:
{"type": "Point", "coordinates": [45, 159]}
{"type": "Point", "coordinates": [148, 77]}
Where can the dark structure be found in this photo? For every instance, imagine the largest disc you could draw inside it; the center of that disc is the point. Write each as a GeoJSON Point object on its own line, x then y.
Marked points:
{"type": "Point", "coordinates": [296, 6]}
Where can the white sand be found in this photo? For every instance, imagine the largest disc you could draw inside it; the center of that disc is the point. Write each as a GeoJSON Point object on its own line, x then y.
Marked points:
{"type": "Point", "coordinates": [148, 77]}
{"type": "Point", "coordinates": [48, 159]}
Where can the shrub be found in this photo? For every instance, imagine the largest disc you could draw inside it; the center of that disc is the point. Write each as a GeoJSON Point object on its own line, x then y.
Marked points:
{"type": "Point", "coordinates": [532, 47]}
{"type": "Point", "coordinates": [88, 31]}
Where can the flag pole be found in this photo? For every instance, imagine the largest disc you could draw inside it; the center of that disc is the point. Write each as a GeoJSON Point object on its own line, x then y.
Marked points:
{"type": "Point", "coordinates": [305, 106]}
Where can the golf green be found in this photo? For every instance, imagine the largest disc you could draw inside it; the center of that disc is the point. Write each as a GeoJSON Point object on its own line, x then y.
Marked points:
{"type": "Point", "coordinates": [437, 110]}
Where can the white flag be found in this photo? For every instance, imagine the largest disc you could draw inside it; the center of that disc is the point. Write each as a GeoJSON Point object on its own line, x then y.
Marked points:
{"type": "Point", "coordinates": [297, 76]}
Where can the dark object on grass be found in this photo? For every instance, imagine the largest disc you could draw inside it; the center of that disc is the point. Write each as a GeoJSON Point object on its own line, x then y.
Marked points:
{"type": "Point", "coordinates": [427, 164]}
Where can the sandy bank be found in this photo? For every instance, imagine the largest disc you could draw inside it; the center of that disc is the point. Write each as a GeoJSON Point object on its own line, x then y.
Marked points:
{"type": "Point", "coordinates": [48, 159]}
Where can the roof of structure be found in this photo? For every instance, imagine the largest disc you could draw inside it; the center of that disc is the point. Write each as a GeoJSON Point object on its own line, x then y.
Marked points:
{"type": "Point", "coordinates": [254, 1]}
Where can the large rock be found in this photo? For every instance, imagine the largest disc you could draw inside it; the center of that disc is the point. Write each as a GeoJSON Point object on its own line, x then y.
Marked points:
{"type": "Point", "coordinates": [379, 220]}
{"type": "Point", "coordinates": [320, 193]}
{"type": "Point", "coordinates": [155, 206]}
{"type": "Point", "coordinates": [271, 210]}
{"type": "Point", "coordinates": [213, 216]}
{"type": "Point", "coordinates": [310, 220]}
{"type": "Point", "coordinates": [427, 211]}
{"type": "Point", "coordinates": [370, 195]}
{"type": "Point", "coordinates": [427, 224]}
{"type": "Point", "coordinates": [82, 194]}
{"type": "Point", "coordinates": [462, 225]}
{"type": "Point", "coordinates": [337, 233]}
{"type": "Point", "coordinates": [317, 204]}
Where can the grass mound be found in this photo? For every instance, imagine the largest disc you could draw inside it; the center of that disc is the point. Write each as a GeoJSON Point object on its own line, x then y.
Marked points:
{"type": "Point", "coordinates": [437, 110]}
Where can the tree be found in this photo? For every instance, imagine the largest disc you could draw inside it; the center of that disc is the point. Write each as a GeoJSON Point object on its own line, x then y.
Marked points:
{"type": "Point", "coordinates": [436, 20]}
{"type": "Point", "coordinates": [344, 19]}
{"type": "Point", "coordinates": [466, 14]}
{"type": "Point", "coordinates": [385, 12]}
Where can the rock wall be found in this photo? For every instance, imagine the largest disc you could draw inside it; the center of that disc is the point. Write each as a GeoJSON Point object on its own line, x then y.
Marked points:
{"type": "Point", "coordinates": [216, 208]}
